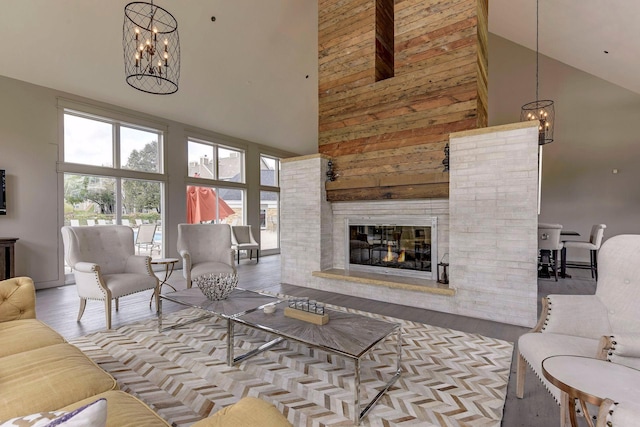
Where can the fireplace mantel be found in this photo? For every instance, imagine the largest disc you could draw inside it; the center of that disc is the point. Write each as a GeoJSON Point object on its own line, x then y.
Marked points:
{"type": "Point", "coordinates": [388, 281]}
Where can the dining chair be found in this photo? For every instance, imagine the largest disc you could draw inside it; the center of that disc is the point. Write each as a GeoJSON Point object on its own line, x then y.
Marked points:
{"type": "Point", "coordinates": [593, 245]}
{"type": "Point", "coordinates": [548, 246]}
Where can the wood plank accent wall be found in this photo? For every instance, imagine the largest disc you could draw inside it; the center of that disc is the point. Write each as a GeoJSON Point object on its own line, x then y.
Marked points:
{"type": "Point", "coordinates": [386, 137]}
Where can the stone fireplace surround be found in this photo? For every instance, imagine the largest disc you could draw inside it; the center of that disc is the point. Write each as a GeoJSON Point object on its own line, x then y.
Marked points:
{"type": "Point", "coordinates": [488, 226]}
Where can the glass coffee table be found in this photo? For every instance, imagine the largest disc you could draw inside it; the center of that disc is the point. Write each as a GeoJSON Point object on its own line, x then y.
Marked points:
{"type": "Point", "coordinates": [238, 302]}
{"type": "Point", "coordinates": [348, 335]}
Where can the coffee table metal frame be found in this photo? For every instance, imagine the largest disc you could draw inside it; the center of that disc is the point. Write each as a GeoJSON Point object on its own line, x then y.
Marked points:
{"type": "Point", "coordinates": [239, 302]}
{"type": "Point", "coordinates": [295, 334]}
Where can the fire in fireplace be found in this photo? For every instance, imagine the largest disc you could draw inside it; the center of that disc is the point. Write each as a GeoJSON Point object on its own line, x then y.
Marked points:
{"type": "Point", "coordinates": [393, 246]}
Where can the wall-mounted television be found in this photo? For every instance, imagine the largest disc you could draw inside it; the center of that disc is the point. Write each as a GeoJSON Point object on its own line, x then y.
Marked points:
{"type": "Point", "coordinates": [3, 193]}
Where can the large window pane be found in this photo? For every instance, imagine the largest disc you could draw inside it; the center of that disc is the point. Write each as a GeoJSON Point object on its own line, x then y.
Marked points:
{"type": "Point", "coordinates": [269, 214]}
{"type": "Point", "coordinates": [142, 205]}
{"type": "Point", "coordinates": [230, 165]}
{"type": "Point", "coordinates": [87, 141]}
{"type": "Point", "coordinates": [139, 150]}
{"type": "Point", "coordinates": [88, 200]}
{"type": "Point", "coordinates": [201, 160]}
{"type": "Point", "coordinates": [214, 205]}
{"type": "Point", "coordinates": [269, 168]}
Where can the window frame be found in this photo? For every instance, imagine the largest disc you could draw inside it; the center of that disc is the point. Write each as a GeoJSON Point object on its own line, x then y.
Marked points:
{"type": "Point", "coordinates": [216, 145]}
{"type": "Point", "coordinates": [116, 119]}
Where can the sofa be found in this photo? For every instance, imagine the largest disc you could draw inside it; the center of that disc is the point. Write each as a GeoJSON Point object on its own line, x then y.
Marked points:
{"type": "Point", "coordinates": [42, 376]}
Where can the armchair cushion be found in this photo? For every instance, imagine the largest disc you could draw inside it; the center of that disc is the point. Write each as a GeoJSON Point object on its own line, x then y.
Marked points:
{"type": "Point", "coordinates": [128, 283]}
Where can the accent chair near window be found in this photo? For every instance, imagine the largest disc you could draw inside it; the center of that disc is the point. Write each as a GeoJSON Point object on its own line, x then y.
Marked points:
{"type": "Point", "coordinates": [105, 265]}
{"type": "Point", "coordinates": [205, 249]}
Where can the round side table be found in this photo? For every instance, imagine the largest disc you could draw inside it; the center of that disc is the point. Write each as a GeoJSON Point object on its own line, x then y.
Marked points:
{"type": "Point", "coordinates": [169, 265]}
{"type": "Point", "coordinates": [590, 381]}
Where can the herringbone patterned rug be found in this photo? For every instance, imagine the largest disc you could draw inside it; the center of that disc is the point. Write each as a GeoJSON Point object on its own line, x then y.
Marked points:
{"type": "Point", "coordinates": [449, 378]}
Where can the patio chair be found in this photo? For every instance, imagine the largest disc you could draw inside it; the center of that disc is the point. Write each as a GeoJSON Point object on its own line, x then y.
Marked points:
{"type": "Point", "coordinates": [605, 325]}
{"type": "Point", "coordinates": [146, 238]}
{"type": "Point", "coordinates": [242, 240]}
{"type": "Point", "coordinates": [205, 249]}
{"type": "Point", "coordinates": [105, 266]}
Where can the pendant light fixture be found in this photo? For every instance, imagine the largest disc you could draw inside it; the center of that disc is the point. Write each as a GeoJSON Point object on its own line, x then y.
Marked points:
{"type": "Point", "coordinates": [151, 48]}
{"type": "Point", "coordinates": [541, 110]}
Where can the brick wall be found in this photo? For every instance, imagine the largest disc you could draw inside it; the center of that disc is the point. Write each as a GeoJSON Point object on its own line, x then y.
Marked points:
{"type": "Point", "coordinates": [305, 219]}
{"type": "Point", "coordinates": [493, 229]}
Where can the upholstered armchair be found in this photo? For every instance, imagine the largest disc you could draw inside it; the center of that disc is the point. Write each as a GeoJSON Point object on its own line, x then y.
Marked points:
{"type": "Point", "coordinates": [205, 249]}
{"type": "Point", "coordinates": [105, 265]}
{"type": "Point", "coordinates": [605, 325]}
{"type": "Point", "coordinates": [242, 240]}
{"type": "Point", "coordinates": [613, 414]}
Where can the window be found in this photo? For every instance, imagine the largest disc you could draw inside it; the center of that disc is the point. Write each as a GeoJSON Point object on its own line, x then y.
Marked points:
{"type": "Point", "coordinates": [269, 171]}
{"type": "Point", "coordinates": [212, 161]}
{"type": "Point", "coordinates": [269, 202]}
{"type": "Point", "coordinates": [88, 141]}
{"type": "Point", "coordinates": [269, 229]}
{"type": "Point", "coordinates": [112, 173]}
{"type": "Point", "coordinates": [139, 150]}
{"type": "Point", "coordinates": [215, 205]}
{"type": "Point", "coordinates": [95, 142]}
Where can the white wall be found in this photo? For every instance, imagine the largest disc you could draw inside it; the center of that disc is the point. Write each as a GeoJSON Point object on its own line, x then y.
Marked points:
{"type": "Point", "coordinates": [29, 145]}
{"type": "Point", "coordinates": [597, 130]}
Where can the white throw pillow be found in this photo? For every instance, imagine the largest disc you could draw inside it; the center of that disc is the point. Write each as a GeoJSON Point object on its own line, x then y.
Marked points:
{"type": "Point", "coordinates": [92, 415]}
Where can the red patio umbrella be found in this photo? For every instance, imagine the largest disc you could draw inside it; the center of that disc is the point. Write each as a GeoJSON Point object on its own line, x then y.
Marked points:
{"type": "Point", "coordinates": [201, 205]}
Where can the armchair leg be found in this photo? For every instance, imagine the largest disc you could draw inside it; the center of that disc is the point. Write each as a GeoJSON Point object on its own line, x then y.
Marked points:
{"type": "Point", "coordinates": [107, 311]}
{"type": "Point", "coordinates": [83, 305]}
{"type": "Point", "coordinates": [520, 376]}
{"type": "Point", "coordinates": [189, 284]}
{"type": "Point", "coordinates": [257, 256]}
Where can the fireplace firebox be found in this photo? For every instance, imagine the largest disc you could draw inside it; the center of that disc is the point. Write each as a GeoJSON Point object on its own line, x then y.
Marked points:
{"type": "Point", "coordinates": [397, 246]}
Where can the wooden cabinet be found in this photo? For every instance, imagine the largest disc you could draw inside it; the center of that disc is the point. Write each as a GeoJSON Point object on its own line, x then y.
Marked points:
{"type": "Point", "coordinates": [7, 257]}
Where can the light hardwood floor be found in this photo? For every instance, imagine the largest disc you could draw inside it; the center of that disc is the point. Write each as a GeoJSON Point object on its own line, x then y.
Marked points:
{"type": "Point", "coordinates": [58, 308]}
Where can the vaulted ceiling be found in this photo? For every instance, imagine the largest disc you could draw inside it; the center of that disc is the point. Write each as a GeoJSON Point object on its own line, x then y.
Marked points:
{"type": "Point", "coordinates": [252, 73]}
